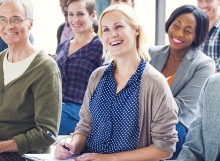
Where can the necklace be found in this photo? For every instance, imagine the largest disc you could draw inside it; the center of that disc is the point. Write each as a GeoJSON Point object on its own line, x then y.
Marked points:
{"type": "Point", "coordinates": [172, 67]}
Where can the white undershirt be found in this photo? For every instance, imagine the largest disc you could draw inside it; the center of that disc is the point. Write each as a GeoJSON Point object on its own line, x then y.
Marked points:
{"type": "Point", "coordinates": [14, 70]}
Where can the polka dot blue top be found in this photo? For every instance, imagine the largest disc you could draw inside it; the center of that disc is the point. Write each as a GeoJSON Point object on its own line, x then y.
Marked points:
{"type": "Point", "coordinates": [115, 116]}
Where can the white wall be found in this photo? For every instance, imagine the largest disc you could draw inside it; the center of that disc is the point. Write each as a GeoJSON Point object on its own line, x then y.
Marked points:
{"type": "Point", "coordinates": [47, 18]}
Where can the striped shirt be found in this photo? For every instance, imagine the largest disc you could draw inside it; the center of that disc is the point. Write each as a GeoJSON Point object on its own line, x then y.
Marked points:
{"type": "Point", "coordinates": [211, 46]}
{"type": "Point", "coordinates": [77, 68]}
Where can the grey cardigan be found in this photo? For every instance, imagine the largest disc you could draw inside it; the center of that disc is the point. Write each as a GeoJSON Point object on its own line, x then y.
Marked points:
{"type": "Point", "coordinates": [186, 86]}
{"type": "Point", "coordinates": [203, 139]}
{"type": "Point", "coordinates": [157, 110]}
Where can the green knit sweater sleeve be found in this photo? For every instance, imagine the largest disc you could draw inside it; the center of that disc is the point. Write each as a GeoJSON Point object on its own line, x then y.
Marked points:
{"type": "Point", "coordinates": [36, 105]}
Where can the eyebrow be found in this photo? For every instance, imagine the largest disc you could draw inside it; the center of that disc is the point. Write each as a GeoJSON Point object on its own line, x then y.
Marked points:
{"type": "Point", "coordinates": [181, 23]}
{"type": "Point", "coordinates": [114, 24]}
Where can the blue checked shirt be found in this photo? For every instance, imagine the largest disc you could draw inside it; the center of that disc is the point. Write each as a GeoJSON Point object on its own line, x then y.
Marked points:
{"type": "Point", "coordinates": [76, 69]}
{"type": "Point", "coordinates": [211, 46]}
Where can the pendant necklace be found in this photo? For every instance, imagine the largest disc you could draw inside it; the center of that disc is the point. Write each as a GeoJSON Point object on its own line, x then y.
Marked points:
{"type": "Point", "coordinates": [173, 68]}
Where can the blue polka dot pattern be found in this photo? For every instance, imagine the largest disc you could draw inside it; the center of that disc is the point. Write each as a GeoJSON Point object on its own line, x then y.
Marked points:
{"type": "Point", "coordinates": [115, 116]}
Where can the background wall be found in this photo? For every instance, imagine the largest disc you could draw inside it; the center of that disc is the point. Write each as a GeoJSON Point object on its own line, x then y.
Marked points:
{"type": "Point", "coordinates": [48, 16]}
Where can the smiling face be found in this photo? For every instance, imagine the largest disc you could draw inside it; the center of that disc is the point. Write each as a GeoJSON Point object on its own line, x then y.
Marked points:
{"type": "Point", "coordinates": [118, 36]}
{"type": "Point", "coordinates": [182, 32]}
{"type": "Point", "coordinates": [79, 18]}
{"type": "Point", "coordinates": [12, 34]}
{"type": "Point", "coordinates": [210, 7]}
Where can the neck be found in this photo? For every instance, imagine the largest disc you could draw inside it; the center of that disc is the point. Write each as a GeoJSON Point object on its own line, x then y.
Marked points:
{"type": "Point", "coordinates": [128, 65]}
{"type": "Point", "coordinates": [178, 54]}
{"type": "Point", "coordinates": [84, 37]}
{"type": "Point", "coordinates": [17, 53]}
{"type": "Point", "coordinates": [212, 21]}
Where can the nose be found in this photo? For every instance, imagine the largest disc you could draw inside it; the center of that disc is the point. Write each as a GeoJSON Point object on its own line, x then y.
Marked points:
{"type": "Point", "coordinates": [202, 4]}
{"type": "Point", "coordinates": [113, 34]}
{"type": "Point", "coordinates": [9, 24]}
{"type": "Point", "coordinates": [179, 33]}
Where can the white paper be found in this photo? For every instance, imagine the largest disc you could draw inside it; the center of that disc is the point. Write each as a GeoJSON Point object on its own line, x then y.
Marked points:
{"type": "Point", "coordinates": [48, 157]}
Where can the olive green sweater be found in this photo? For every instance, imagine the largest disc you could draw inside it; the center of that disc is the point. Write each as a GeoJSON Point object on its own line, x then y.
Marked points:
{"type": "Point", "coordinates": [31, 103]}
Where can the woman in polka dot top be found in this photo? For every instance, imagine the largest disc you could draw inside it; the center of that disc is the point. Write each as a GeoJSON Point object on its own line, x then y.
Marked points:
{"type": "Point", "coordinates": [128, 112]}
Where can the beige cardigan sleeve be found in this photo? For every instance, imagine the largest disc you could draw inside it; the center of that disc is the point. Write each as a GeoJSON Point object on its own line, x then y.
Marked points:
{"type": "Point", "coordinates": [158, 112]}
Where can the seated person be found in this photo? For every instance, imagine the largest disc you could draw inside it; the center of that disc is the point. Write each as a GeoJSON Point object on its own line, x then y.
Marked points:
{"type": "Point", "coordinates": [77, 58]}
{"type": "Point", "coordinates": [64, 31]}
{"type": "Point", "coordinates": [185, 67]}
{"type": "Point", "coordinates": [128, 112]}
{"type": "Point", "coordinates": [30, 98]}
{"type": "Point", "coordinates": [202, 141]}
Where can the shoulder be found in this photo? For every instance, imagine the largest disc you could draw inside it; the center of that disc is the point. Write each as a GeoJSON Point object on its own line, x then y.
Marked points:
{"type": "Point", "coordinates": [96, 41]}
{"type": "Point", "coordinates": [62, 45]}
{"type": "Point", "coordinates": [156, 50]}
{"type": "Point", "coordinates": [201, 58]}
{"type": "Point", "coordinates": [45, 62]}
{"type": "Point", "coordinates": [97, 73]}
{"type": "Point", "coordinates": [61, 26]}
{"type": "Point", "coordinates": [95, 46]}
{"type": "Point", "coordinates": [151, 75]}
{"type": "Point", "coordinates": [213, 83]}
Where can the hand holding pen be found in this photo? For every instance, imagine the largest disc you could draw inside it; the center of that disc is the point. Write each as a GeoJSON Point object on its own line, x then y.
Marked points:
{"type": "Point", "coordinates": [59, 142]}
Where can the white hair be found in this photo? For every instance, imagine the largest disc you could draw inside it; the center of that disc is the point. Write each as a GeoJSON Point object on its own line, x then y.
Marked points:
{"type": "Point", "coordinates": [27, 5]}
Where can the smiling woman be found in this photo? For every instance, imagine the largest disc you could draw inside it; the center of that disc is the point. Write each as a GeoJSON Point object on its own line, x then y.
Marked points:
{"type": "Point", "coordinates": [120, 96]}
{"type": "Point", "coordinates": [187, 28]}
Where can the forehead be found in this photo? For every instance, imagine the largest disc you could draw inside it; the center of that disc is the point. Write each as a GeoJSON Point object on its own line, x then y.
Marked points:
{"type": "Point", "coordinates": [113, 17]}
{"type": "Point", "coordinates": [125, 1]}
{"type": "Point", "coordinates": [187, 19]}
{"type": "Point", "coordinates": [11, 9]}
{"type": "Point", "coordinates": [77, 6]}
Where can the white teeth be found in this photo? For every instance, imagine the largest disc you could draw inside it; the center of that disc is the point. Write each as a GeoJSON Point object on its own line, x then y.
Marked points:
{"type": "Point", "coordinates": [116, 42]}
{"type": "Point", "coordinates": [76, 25]}
{"type": "Point", "coordinates": [205, 10]}
{"type": "Point", "coordinates": [10, 33]}
{"type": "Point", "coordinates": [176, 40]}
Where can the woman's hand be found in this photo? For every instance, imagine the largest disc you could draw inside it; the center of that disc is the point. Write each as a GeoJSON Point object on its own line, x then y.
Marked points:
{"type": "Point", "coordinates": [61, 153]}
{"type": "Point", "coordinates": [95, 157]}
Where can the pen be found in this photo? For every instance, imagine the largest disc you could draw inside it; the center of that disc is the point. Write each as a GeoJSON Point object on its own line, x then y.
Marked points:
{"type": "Point", "coordinates": [59, 142]}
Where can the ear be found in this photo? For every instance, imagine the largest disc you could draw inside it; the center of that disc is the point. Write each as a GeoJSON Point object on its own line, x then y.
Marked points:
{"type": "Point", "coordinates": [31, 24]}
{"type": "Point", "coordinates": [137, 32]}
{"type": "Point", "coordinates": [93, 15]}
{"type": "Point", "coordinates": [133, 4]}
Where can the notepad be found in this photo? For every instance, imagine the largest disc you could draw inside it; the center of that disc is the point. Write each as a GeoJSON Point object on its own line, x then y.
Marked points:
{"type": "Point", "coordinates": [44, 157]}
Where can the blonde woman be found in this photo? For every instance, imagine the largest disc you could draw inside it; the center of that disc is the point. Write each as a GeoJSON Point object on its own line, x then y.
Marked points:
{"type": "Point", "coordinates": [128, 112]}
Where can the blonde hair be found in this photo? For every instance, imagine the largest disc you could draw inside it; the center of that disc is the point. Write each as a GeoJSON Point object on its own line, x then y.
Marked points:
{"type": "Point", "coordinates": [133, 21]}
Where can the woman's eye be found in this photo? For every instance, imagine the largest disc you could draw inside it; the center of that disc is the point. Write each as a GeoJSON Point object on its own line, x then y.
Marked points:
{"type": "Point", "coordinates": [176, 26]}
{"type": "Point", "coordinates": [118, 26]}
{"type": "Point", "coordinates": [70, 14]}
{"type": "Point", "coordinates": [188, 32]}
{"type": "Point", "coordinates": [105, 30]}
{"type": "Point", "coordinates": [80, 14]}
